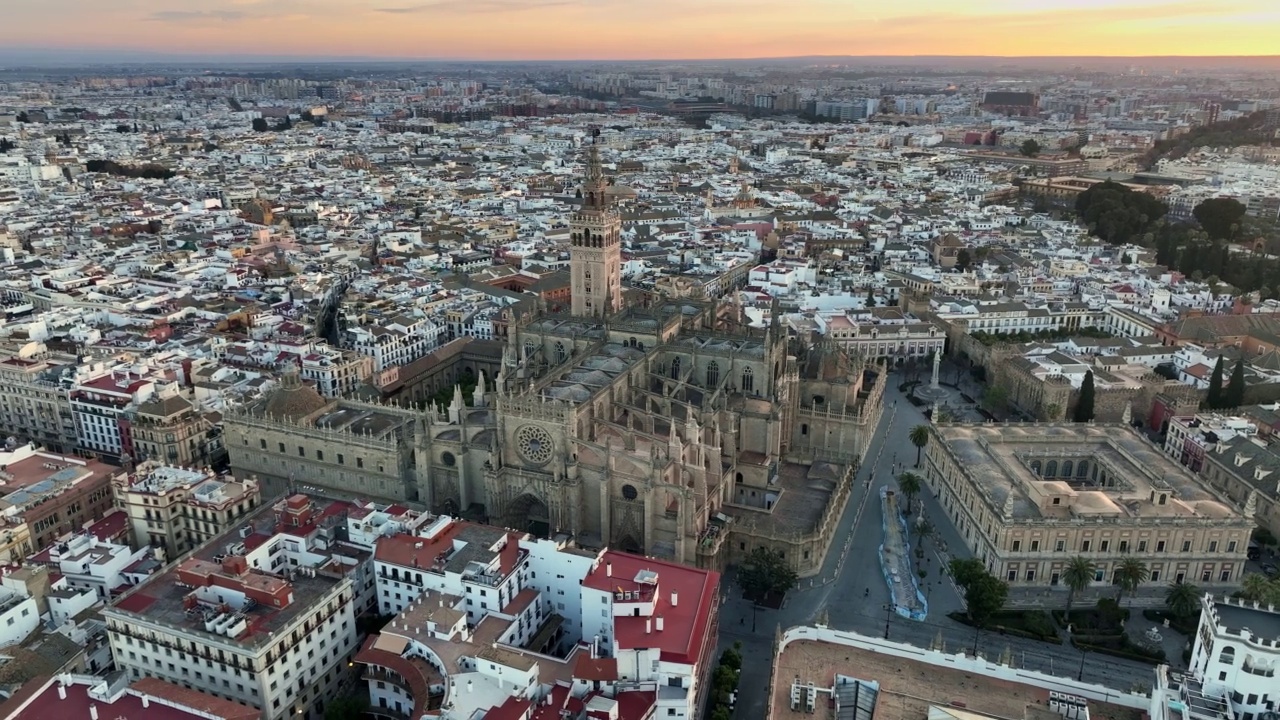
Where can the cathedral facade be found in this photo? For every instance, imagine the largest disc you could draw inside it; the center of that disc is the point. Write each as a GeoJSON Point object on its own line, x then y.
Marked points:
{"type": "Point", "coordinates": [662, 426]}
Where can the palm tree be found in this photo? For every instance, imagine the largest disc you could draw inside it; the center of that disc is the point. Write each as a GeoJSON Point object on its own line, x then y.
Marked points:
{"type": "Point", "coordinates": [1130, 573]}
{"type": "Point", "coordinates": [909, 483]}
{"type": "Point", "coordinates": [919, 437]}
{"type": "Point", "coordinates": [1183, 599]}
{"type": "Point", "coordinates": [924, 530]}
{"type": "Point", "coordinates": [1255, 587]}
{"type": "Point", "coordinates": [1077, 576]}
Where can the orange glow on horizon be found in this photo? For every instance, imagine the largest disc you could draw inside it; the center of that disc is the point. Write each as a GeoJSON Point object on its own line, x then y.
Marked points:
{"type": "Point", "coordinates": [652, 29]}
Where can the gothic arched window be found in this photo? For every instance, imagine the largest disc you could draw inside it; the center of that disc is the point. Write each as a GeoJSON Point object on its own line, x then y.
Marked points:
{"type": "Point", "coordinates": [675, 368]}
{"type": "Point", "coordinates": [529, 348]}
{"type": "Point", "coordinates": [748, 380]}
{"type": "Point", "coordinates": [561, 355]}
{"type": "Point", "coordinates": [713, 374]}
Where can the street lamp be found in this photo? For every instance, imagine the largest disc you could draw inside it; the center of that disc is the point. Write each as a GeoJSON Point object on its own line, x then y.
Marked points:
{"type": "Point", "coordinates": [1080, 672]}
{"type": "Point", "coordinates": [754, 607]}
{"type": "Point", "coordinates": [977, 630]}
{"type": "Point", "coordinates": [888, 613]}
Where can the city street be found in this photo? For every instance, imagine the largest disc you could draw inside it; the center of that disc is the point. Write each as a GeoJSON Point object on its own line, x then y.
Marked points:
{"type": "Point", "coordinates": [852, 594]}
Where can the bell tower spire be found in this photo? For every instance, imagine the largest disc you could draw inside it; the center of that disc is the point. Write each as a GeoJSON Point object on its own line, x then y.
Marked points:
{"type": "Point", "coordinates": [595, 252]}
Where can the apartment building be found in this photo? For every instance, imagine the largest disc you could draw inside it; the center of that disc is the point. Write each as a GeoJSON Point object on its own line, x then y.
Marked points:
{"type": "Point", "coordinates": [897, 342]}
{"type": "Point", "coordinates": [1247, 470]}
{"type": "Point", "coordinates": [54, 494]}
{"type": "Point", "coordinates": [34, 401]}
{"type": "Point", "coordinates": [102, 567]}
{"type": "Point", "coordinates": [1189, 438]}
{"type": "Point", "coordinates": [487, 617]}
{"type": "Point", "coordinates": [398, 341]}
{"type": "Point", "coordinates": [263, 615]}
{"type": "Point", "coordinates": [171, 430]}
{"type": "Point", "coordinates": [19, 610]}
{"type": "Point", "coordinates": [99, 403]}
{"type": "Point", "coordinates": [335, 373]}
{"type": "Point", "coordinates": [1028, 498]}
{"type": "Point", "coordinates": [1236, 657]}
{"type": "Point", "coordinates": [178, 509]}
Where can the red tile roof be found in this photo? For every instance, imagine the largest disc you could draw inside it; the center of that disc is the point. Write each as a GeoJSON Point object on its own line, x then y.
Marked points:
{"type": "Point", "coordinates": [167, 702]}
{"type": "Point", "coordinates": [513, 708]}
{"type": "Point", "coordinates": [112, 526]}
{"type": "Point", "coordinates": [591, 669]}
{"type": "Point", "coordinates": [685, 625]}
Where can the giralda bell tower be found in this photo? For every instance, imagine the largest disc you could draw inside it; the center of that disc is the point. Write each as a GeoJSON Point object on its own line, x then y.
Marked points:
{"type": "Point", "coordinates": [595, 256]}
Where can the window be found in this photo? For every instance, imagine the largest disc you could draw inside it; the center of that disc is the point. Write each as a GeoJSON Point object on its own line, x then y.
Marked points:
{"type": "Point", "coordinates": [360, 462]}
{"type": "Point", "coordinates": [713, 374]}
{"type": "Point", "coordinates": [1060, 546]}
{"type": "Point", "coordinates": [1104, 546]}
{"type": "Point", "coordinates": [342, 460]}
{"type": "Point", "coordinates": [748, 380]}
{"type": "Point", "coordinates": [561, 353]}
{"type": "Point", "coordinates": [1159, 546]}
{"type": "Point", "coordinates": [1213, 546]}
{"type": "Point", "coordinates": [1031, 575]}
{"type": "Point", "coordinates": [1231, 546]}
{"type": "Point", "coordinates": [1225, 576]}
{"type": "Point", "coordinates": [1098, 575]}
{"type": "Point", "coordinates": [320, 455]}
{"type": "Point", "coordinates": [281, 447]}
{"type": "Point", "coordinates": [1124, 546]}
{"type": "Point", "coordinates": [262, 443]}
{"type": "Point", "coordinates": [1013, 575]}
{"type": "Point", "coordinates": [1186, 546]}
{"type": "Point", "coordinates": [1084, 546]}
{"type": "Point", "coordinates": [1017, 545]}
{"type": "Point", "coordinates": [302, 452]}
{"type": "Point", "coordinates": [1155, 575]}
{"type": "Point", "coordinates": [1142, 546]}
{"type": "Point", "coordinates": [1035, 546]}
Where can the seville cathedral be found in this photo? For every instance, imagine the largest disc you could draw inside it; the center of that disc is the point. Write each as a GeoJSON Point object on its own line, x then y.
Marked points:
{"type": "Point", "coordinates": [654, 425]}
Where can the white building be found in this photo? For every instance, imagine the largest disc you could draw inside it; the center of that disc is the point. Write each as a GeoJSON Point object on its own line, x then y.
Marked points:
{"type": "Point", "coordinates": [19, 615]}
{"type": "Point", "coordinates": [104, 568]}
{"type": "Point", "coordinates": [263, 615]}
{"type": "Point", "coordinates": [487, 617]}
{"type": "Point", "coordinates": [1237, 655]}
{"type": "Point", "coordinates": [399, 342]}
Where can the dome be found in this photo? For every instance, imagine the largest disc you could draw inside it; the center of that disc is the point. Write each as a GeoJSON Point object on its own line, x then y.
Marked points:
{"type": "Point", "coordinates": [621, 191]}
{"type": "Point", "coordinates": [293, 400]}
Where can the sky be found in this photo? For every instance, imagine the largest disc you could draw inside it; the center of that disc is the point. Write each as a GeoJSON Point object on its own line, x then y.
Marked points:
{"type": "Point", "coordinates": [646, 29]}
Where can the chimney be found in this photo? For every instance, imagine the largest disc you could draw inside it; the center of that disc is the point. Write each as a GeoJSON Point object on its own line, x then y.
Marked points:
{"type": "Point", "coordinates": [146, 701]}
{"type": "Point", "coordinates": [658, 623]}
{"type": "Point", "coordinates": [675, 598]}
{"type": "Point", "coordinates": [608, 569]}
{"type": "Point", "coordinates": [648, 626]}
{"type": "Point", "coordinates": [62, 691]}
{"type": "Point", "coordinates": [93, 712]}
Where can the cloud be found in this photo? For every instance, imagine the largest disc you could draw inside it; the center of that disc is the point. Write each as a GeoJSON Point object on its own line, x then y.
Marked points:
{"type": "Point", "coordinates": [197, 15]}
{"type": "Point", "coordinates": [474, 6]}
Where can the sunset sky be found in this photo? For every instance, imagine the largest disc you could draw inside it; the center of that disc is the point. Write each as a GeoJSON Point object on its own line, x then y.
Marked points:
{"type": "Point", "coordinates": [647, 29]}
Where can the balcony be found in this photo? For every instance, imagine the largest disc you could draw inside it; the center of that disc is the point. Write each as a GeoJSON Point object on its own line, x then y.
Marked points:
{"type": "Point", "coordinates": [373, 672]}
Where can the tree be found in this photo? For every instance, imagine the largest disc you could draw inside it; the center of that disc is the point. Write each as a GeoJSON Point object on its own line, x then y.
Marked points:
{"type": "Point", "coordinates": [1255, 587]}
{"type": "Point", "coordinates": [984, 594]}
{"type": "Point", "coordinates": [1234, 396]}
{"type": "Point", "coordinates": [871, 297]}
{"type": "Point", "coordinates": [346, 708]}
{"type": "Point", "coordinates": [1077, 575]}
{"type": "Point", "coordinates": [909, 483]}
{"type": "Point", "coordinates": [1183, 599]}
{"type": "Point", "coordinates": [1117, 214]}
{"type": "Point", "coordinates": [1220, 217]}
{"type": "Point", "coordinates": [1084, 405]}
{"type": "Point", "coordinates": [1213, 400]}
{"type": "Point", "coordinates": [924, 530]}
{"type": "Point", "coordinates": [919, 437]}
{"type": "Point", "coordinates": [963, 259]}
{"type": "Point", "coordinates": [1131, 573]}
{"type": "Point", "coordinates": [765, 572]}
{"type": "Point", "coordinates": [260, 125]}
{"type": "Point", "coordinates": [995, 399]}
{"type": "Point", "coordinates": [1029, 148]}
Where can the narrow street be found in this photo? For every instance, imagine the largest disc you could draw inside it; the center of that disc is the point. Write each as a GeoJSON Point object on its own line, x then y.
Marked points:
{"type": "Point", "coordinates": [852, 592]}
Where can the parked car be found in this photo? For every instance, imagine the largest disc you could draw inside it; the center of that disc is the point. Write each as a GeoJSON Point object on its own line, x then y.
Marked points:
{"type": "Point", "coordinates": [1269, 570]}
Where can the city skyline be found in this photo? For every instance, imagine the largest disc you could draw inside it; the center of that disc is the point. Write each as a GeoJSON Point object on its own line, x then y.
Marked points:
{"type": "Point", "coordinates": [663, 29]}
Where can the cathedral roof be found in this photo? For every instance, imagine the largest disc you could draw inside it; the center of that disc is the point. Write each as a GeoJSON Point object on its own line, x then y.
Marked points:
{"type": "Point", "coordinates": [293, 399]}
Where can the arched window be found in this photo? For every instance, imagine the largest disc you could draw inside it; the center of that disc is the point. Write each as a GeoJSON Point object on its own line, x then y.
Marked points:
{"type": "Point", "coordinates": [748, 380]}
{"type": "Point", "coordinates": [675, 368]}
{"type": "Point", "coordinates": [1035, 466]}
{"type": "Point", "coordinates": [1051, 469]}
{"type": "Point", "coordinates": [1066, 468]}
{"type": "Point", "coordinates": [528, 348]}
{"type": "Point", "coordinates": [1082, 470]}
{"type": "Point", "coordinates": [713, 374]}
{"type": "Point", "coordinates": [1228, 655]}
{"type": "Point", "coordinates": [561, 355]}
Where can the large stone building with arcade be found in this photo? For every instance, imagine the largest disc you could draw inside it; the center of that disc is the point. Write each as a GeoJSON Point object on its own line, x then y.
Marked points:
{"type": "Point", "coordinates": [662, 426]}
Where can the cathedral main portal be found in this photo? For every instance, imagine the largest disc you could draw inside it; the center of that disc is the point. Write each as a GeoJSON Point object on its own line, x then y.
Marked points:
{"type": "Point", "coordinates": [529, 514]}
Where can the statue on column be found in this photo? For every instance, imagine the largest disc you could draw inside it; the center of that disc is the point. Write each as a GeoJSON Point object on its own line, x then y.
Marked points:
{"type": "Point", "coordinates": [937, 366]}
